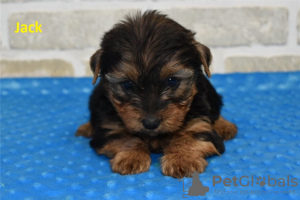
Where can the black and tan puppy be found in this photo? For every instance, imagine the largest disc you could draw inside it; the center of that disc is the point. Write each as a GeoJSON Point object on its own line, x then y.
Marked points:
{"type": "Point", "coordinates": [154, 97]}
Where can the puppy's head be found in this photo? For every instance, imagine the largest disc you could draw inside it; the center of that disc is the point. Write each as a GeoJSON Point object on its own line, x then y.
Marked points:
{"type": "Point", "coordinates": [150, 65]}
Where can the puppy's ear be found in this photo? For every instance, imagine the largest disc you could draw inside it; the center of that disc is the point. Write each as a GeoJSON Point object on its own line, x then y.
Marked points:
{"type": "Point", "coordinates": [95, 64]}
{"type": "Point", "coordinates": [205, 57]}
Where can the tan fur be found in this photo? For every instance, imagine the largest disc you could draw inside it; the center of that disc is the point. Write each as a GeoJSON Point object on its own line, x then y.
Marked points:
{"type": "Point", "coordinates": [172, 67]}
{"type": "Point", "coordinates": [111, 125]}
{"type": "Point", "coordinates": [85, 130]}
{"type": "Point", "coordinates": [129, 155]}
{"type": "Point", "coordinates": [226, 129]}
{"type": "Point", "coordinates": [96, 56]}
{"type": "Point", "coordinates": [157, 144]}
{"type": "Point", "coordinates": [205, 57]}
{"type": "Point", "coordinates": [185, 155]}
{"type": "Point", "coordinates": [112, 147]}
{"type": "Point", "coordinates": [131, 116]}
{"type": "Point", "coordinates": [130, 162]}
{"type": "Point", "coordinates": [124, 144]}
{"type": "Point", "coordinates": [128, 71]}
{"type": "Point", "coordinates": [173, 116]}
{"type": "Point", "coordinates": [198, 125]}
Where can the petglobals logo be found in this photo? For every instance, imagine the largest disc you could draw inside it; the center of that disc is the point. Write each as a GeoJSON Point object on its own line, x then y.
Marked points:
{"type": "Point", "coordinates": [248, 185]}
{"type": "Point", "coordinates": [193, 187]}
{"type": "Point", "coordinates": [243, 185]}
{"type": "Point", "coordinates": [245, 181]}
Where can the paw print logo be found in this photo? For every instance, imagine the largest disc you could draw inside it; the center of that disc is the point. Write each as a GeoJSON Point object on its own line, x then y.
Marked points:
{"type": "Point", "coordinates": [262, 182]}
{"type": "Point", "coordinates": [195, 186]}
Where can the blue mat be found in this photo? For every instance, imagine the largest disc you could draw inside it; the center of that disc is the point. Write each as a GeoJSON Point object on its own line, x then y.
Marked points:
{"type": "Point", "coordinates": [42, 159]}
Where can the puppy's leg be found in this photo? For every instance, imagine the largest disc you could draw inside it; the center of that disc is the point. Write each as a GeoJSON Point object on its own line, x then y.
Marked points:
{"type": "Point", "coordinates": [130, 155]}
{"type": "Point", "coordinates": [226, 129]}
{"type": "Point", "coordinates": [85, 130]}
{"type": "Point", "coordinates": [187, 151]}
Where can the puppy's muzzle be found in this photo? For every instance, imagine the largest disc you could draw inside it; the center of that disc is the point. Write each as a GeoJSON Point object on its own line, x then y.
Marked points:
{"type": "Point", "coordinates": [150, 123]}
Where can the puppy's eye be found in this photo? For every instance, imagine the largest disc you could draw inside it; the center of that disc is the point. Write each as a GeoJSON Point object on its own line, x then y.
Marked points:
{"type": "Point", "coordinates": [127, 85]}
{"type": "Point", "coordinates": [173, 82]}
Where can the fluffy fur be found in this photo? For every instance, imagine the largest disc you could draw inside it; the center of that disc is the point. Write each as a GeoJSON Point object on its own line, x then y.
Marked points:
{"type": "Point", "coordinates": [153, 96]}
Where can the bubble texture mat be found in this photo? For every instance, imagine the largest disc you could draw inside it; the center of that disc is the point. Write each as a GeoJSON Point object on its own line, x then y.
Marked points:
{"type": "Point", "coordinates": [42, 159]}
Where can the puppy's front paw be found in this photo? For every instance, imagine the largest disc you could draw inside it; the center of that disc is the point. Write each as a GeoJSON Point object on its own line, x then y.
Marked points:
{"type": "Point", "coordinates": [85, 130]}
{"type": "Point", "coordinates": [178, 165]}
{"type": "Point", "coordinates": [130, 162]}
{"type": "Point", "coordinates": [226, 129]}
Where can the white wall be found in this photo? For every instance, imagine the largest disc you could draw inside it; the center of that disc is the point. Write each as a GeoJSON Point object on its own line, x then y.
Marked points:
{"type": "Point", "coordinates": [244, 36]}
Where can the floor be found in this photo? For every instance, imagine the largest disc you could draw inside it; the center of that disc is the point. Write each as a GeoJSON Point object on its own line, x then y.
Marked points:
{"type": "Point", "coordinates": [42, 159]}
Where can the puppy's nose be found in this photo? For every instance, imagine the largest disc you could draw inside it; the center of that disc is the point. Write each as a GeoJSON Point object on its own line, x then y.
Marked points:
{"type": "Point", "coordinates": [151, 123]}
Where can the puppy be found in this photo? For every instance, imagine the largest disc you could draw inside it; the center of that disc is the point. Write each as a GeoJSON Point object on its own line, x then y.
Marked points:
{"type": "Point", "coordinates": [153, 96]}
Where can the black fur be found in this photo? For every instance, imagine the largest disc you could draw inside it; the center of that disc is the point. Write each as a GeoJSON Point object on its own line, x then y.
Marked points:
{"type": "Point", "coordinates": [102, 138]}
{"type": "Point", "coordinates": [207, 102]}
{"type": "Point", "coordinates": [213, 137]}
{"type": "Point", "coordinates": [136, 36]}
{"type": "Point", "coordinates": [100, 107]}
